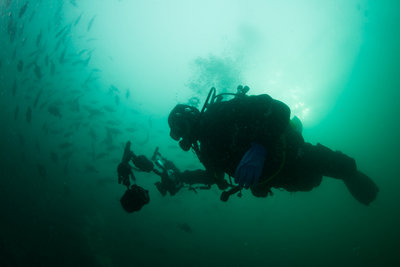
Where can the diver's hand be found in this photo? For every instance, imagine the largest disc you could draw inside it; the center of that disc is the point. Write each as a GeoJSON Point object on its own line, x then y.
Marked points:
{"type": "Point", "coordinates": [124, 172]}
{"type": "Point", "coordinates": [249, 170]}
{"type": "Point", "coordinates": [143, 163]}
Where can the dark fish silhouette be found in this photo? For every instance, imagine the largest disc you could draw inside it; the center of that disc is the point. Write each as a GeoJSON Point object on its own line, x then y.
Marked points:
{"type": "Point", "coordinates": [185, 227]}
{"type": "Point", "coordinates": [52, 68]}
{"type": "Point", "coordinates": [90, 168]}
{"type": "Point", "coordinates": [127, 94]}
{"type": "Point", "coordinates": [113, 89]}
{"type": "Point", "coordinates": [73, 2]}
{"type": "Point", "coordinates": [14, 54]}
{"type": "Point", "coordinates": [54, 157]}
{"type": "Point", "coordinates": [55, 111]}
{"type": "Point", "coordinates": [64, 29]}
{"type": "Point", "coordinates": [20, 65]}
{"type": "Point", "coordinates": [42, 170]}
{"type": "Point", "coordinates": [16, 111]}
{"type": "Point", "coordinates": [92, 134]}
{"type": "Point", "coordinates": [37, 71]}
{"type": "Point", "coordinates": [62, 56]}
{"type": "Point", "coordinates": [14, 88]}
{"type": "Point", "coordinates": [78, 19]}
{"type": "Point", "coordinates": [65, 145]}
{"type": "Point", "coordinates": [90, 24]}
{"type": "Point", "coordinates": [11, 29]}
{"type": "Point", "coordinates": [37, 98]}
{"type": "Point", "coordinates": [39, 38]}
{"type": "Point", "coordinates": [23, 9]}
{"type": "Point", "coordinates": [66, 167]}
{"type": "Point", "coordinates": [28, 115]}
{"type": "Point", "coordinates": [101, 155]}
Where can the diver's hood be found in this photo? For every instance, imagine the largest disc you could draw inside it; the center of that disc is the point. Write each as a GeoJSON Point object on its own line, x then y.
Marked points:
{"type": "Point", "coordinates": [181, 121]}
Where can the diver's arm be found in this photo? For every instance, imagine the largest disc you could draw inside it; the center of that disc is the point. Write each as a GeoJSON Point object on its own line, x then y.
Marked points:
{"type": "Point", "coordinates": [142, 163]}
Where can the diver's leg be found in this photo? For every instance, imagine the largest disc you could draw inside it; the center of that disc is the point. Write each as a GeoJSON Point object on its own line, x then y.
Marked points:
{"type": "Point", "coordinates": [335, 164]}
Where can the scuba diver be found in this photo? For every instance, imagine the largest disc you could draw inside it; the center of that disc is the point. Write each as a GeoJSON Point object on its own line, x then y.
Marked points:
{"type": "Point", "coordinates": [172, 179]}
{"type": "Point", "coordinates": [252, 139]}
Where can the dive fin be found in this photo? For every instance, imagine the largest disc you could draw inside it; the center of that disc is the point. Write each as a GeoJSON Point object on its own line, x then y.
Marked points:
{"type": "Point", "coordinates": [361, 187]}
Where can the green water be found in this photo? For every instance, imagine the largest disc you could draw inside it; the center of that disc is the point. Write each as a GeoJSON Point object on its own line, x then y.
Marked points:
{"type": "Point", "coordinates": [80, 78]}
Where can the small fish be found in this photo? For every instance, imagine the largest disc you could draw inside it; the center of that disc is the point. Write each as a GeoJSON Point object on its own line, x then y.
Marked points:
{"type": "Point", "coordinates": [28, 115]}
{"type": "Point", "coordinates": [185, 227]}
{"type": "Point", "coordinates": [105, 181]}
{"type": "Point", "coordinates": [90, 24]}
{"type": "Point", "coordinates": [37, 71]}
{"type": "Point", "coordinates": [66, 168]}
{"type": "Point", "coordinates": [37, 146]}
{"type": "Point", "coordinates": [86, 62]}
{"type": "Point", "coordinates": [23, 9]}
{"type": "Point", "coordinates": [68, 134]}
{"type": "Point", "coordinates": [90, 168]}
{"type": "Point", "coordinates": [20, 65]}
{"type": "Point", "coordinates": [78, 19]}
{"type": "Point", "coordinates": [101, 155]}
{"type": "Point", "coordinates": [21, 139]}
{"type": "Point", "coordinates": [131, 129]}
{"type": "Point", "coordinates": [16, 111]}
{"type": "Point", "coordinates": [113, 89]}
{"type": "Point", "coordinates": [113, 148]}
{"type": "Point", "coordinates": [52, 68]}
{"type": "Point", "coordinates": [67, 155]}
{"type": "Point", "coordinates": [82, 51]}
{"type": "Point", "coordinates": [65, 145]}
{"type": "Point", "coordinates": [39, 38]}
{"type": "Point", "coordinates": [14, 88]}
{"type": "Point", "coordinates": [113, 131]}
{"type": "Point", "coordinates": [11, 29]}
{"type": "Point", "coordinates": [127, 94]}
{"type": "Point", "coordinates": [55, 111]}
{"type": "Point", "coordinates": [21, 29]}
{"type": "Point", "coordinates": [62, 30]}
{"type": "Point", "coordinates": [62, 56]}
{"type": "Point", "coordinates": [37, 98]}
{"type": "Point", "coordinates": [45, 128]}
{"type": "Point", "coordinates": [93, 112]}
{"type": "Point", "coordinates": [73, 2]}
{"type": "Point", "coordinates": [42, 170]}
{"type": "Point", "coordinates": [14, 54]}
{"type": "Point", "coordinates": [92, 134]}
{"type": "Point", "coordinates": [54, 157]}
{"type": "Point", "coordinates": [109, 109]}
{"type": "Point", "coordinates": [66, 187]}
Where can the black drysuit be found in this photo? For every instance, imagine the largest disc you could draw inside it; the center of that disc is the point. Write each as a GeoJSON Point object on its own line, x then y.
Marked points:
{"type": "Point", "coordinates": [227, 130]}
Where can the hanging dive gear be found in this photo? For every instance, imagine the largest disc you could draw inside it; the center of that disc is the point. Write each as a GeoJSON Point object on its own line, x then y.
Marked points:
{"type": "Point", "coordinates": [135, 197]}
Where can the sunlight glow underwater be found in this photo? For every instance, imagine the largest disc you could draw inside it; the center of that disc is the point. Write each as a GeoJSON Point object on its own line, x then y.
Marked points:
{"type": "Point", "coordinates": [300, 52]}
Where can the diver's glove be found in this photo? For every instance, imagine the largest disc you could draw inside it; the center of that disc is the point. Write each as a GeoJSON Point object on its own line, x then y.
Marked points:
{"type": "Point", "coordinates": [249, 170]}
{"type": "Point", "coordinates": [142, 163]}
{"type": "Point", "coordinates": [124, 172]}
